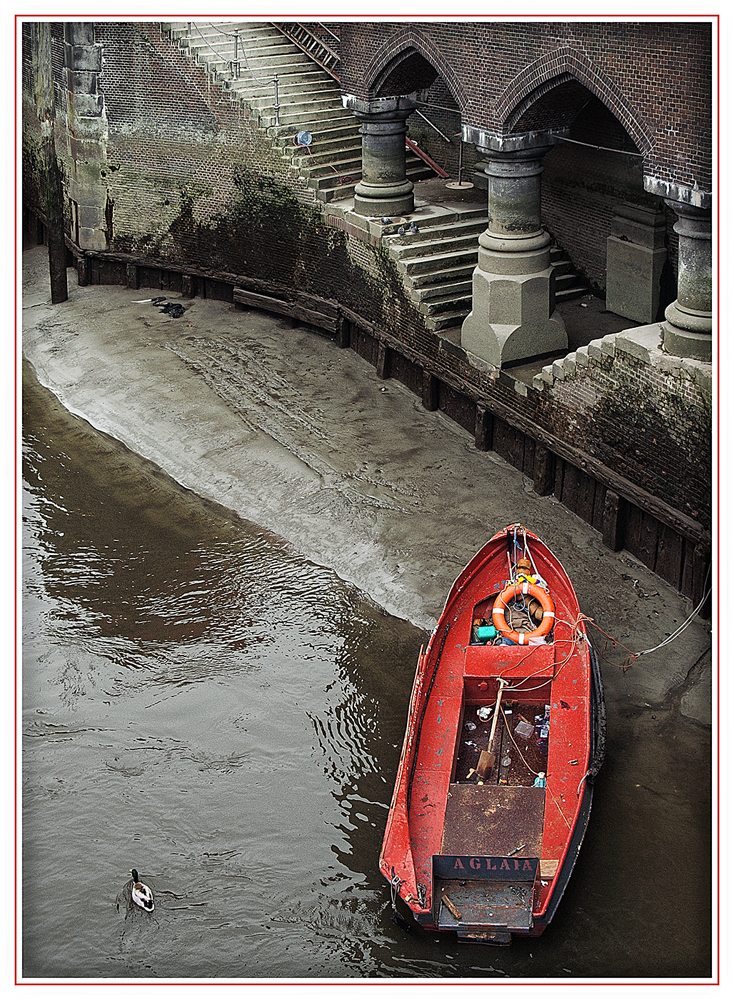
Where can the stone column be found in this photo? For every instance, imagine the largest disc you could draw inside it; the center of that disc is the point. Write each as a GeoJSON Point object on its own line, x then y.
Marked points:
{"type": "Point", "coordinates": [687, 330]}
{"type": "Point", "coordinates": [513, 297]}
{"type": "Point", "coordinates": [384, 189]}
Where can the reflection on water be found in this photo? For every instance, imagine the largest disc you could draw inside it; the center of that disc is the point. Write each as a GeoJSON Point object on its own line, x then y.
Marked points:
{"type": "Point", "coordinates": [204, 705]}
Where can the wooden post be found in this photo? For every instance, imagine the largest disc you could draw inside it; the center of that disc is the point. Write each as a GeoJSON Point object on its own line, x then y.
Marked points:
{"type": "Point", "coordinates": [543, 481]}
{"type": "Point", "coordinates": [430, 391]}
{"type": "Point", "coordinates": [483, 429]}
{"type": "Point", "coordinates": [383, 360]}
{"type": "Point", "coordinates": [613, 521]}
{"type": "Point", "coordinates": [342, 331]}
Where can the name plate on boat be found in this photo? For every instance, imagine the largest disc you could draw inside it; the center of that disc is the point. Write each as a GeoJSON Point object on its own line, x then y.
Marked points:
{"type": "Point", "coordinates": [468, 866]}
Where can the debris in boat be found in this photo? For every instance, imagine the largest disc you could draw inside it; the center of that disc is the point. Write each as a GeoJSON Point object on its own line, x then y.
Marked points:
{"type": "Point", "coordinates": [540, 780]}
{"type": "Point", "coordinates": [484, 712]}
{"type": "Point", "coordinates": [516, 851]}
{"type": "Point", "coordinates": [450, 906]}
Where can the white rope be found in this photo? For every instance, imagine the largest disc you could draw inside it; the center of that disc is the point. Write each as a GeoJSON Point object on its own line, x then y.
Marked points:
{"type": "Point", "coordinates": [681, 628]}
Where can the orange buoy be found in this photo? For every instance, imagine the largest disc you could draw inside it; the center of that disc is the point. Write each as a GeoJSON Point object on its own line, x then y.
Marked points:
{"type": "Point", "coordinates": [515, 590]}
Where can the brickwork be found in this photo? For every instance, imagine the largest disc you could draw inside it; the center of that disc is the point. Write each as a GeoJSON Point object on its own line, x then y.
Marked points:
{"type": "Point", "coordinates": [651, 420]}
{"type": "Point", "coordinates": [654, 77]}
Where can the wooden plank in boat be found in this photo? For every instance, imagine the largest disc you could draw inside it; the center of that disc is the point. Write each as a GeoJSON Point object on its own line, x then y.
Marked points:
{"type": "Point", "coordinates": [493, 820]}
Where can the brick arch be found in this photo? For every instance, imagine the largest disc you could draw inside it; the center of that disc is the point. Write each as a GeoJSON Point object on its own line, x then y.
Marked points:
{"type": "Point", "coordinates": [559, 66]}
{"type": "Point", "coordinates": [403, 43]}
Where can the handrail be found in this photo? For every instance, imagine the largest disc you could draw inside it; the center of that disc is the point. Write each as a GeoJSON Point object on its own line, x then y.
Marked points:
{"type": "Point", "coordinates": [328, 31]}
{"type": "Point", "coordinates": [234, 63]}
{"type": "Point", "coordinates": [425, 157]}
{"type": "Point", "coordinates": [313, 47]}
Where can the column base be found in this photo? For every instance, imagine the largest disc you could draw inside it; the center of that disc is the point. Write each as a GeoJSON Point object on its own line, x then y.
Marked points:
{"type": "Point", "coordinates": [511, 318]}
{"type": "Point", "coordinates": [373, 201]}
{"type": "Point", "coordinates": [687, 333]}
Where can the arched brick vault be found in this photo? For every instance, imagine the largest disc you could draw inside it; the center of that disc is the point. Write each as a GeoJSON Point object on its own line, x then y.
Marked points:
{"type": "Point", "coordinates": [558, 67]}
{"type": "Point", "coordinates": [402, 45]}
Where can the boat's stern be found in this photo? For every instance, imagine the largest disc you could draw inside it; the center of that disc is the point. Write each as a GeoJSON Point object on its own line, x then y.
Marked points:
{"type": "Point", "coordinates": [483, 899]}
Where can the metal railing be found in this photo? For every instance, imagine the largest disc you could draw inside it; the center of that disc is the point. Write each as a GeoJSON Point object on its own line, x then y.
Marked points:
{"type": "Point", "coordinates": [314, 47]}
{"type": "Point", "coordinates": [234, 63]}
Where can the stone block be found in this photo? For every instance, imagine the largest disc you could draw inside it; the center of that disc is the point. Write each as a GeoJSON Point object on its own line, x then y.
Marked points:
{"type": "Point", "coordinates": [608, 345]}
{"type": "Point", "coordinates": [645, 227]}
{"type": "Point", "coordinates": [595, 350]}
{"type": "Point", "coordinates": [83, 57]}
{"type": "Point", "coordinates": [91, 216]}
{"type": "Point", "coordinates": [633, 279]}
{"type": "Point", "coordinates": [92, 239]}
{"type": "Point", "coordinates": [643, 342]}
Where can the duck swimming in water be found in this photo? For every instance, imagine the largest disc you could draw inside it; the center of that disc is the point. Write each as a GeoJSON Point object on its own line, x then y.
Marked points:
{"type": "Point", "coordinates": [141, 894]}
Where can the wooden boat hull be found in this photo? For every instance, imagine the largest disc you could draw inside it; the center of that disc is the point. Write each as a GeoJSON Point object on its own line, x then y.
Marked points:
{"type": "Point", "coordinates": [488, 855]}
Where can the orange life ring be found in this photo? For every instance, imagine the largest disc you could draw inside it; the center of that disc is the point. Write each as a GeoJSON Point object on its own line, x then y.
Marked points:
{"type": "Point", "coordinates": [514, 590]}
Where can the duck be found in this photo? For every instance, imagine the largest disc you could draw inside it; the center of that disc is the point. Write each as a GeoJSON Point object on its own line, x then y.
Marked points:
{"type": "Point", "coordinates": [141, 894]}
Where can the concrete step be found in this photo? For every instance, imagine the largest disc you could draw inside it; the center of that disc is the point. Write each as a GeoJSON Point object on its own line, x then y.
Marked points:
{"type": "Point", "coordinates": [250, 52]}
{"type": "Point", "coordinates": [457, 301]}
{"type": "Point", "coordinates": [298, 119]}
{"type": "Point", "coordinates": [422, 265]}
{"type": "Point", "coordinates": [339, 193]}
{"type": "Point", "coordinates": [259, 71]}
{"type": "Point", "coordinates": [325, 152]}
{"type": "Point", "coordinates": [341, 164]}
{"type": "Point", "coordinates": [338, 177]}
{"type": "Point", "coordinates": [253, 85]}
{"type": "Point", "coordinates": [296, 100]}
{"type": "Point", "coordinates": [332, 132]}
{"type": "Point", "coordinates": [417, 170]}
{"type": "Point", "coordinates": [440, 291]}
{"type": "Point", "coordinates": [447, 320]}
{"type": "Point", "coordinates": [434, 283]}
{"type": "Point", "coordinates": [306, 86]}
{"type": "Point", "coordinates": [436, 240]}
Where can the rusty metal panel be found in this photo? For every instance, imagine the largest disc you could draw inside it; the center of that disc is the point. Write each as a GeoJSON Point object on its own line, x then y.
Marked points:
{"type": "Point", "coordinates": [493, 820]}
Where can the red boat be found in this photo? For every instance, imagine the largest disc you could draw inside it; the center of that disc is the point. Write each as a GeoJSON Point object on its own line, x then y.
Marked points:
{"type": "Point", "coordinates": [505, 736]}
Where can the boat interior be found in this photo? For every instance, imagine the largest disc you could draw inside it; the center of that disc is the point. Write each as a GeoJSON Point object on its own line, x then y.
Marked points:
{"type": "Point", "coordinates": [500, 812]}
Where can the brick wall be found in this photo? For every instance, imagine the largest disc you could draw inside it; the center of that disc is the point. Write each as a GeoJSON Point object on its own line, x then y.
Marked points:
{"type": "Point", "coordinates": [655, 77]}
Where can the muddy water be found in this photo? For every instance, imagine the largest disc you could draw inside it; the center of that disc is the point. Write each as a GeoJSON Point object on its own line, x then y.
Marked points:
{"type": "Point", "coordinates": [201, 703]}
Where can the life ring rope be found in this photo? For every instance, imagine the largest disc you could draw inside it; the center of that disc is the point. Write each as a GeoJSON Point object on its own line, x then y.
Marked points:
{"type": "Point", "coordinates": [525, 588]}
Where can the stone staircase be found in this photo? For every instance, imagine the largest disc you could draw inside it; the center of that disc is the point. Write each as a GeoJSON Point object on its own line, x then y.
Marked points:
{"type": "Point", "coordinates": [244, 58]}
{"type": "Point", "coordinates": [438, 261]}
